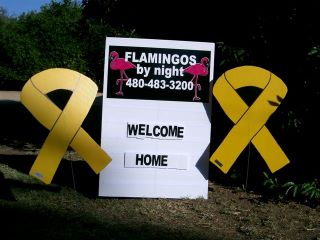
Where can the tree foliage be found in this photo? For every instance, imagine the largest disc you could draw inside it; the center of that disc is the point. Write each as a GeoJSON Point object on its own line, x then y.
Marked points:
{"type": "Point", "coordinates": [36, 41]}
{"type": "Point", "coordinates": [57, 36]}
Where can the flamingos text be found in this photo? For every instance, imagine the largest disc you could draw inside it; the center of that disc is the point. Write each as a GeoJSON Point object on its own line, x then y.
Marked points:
{"type": "Point", "coordinates": [160, 58]}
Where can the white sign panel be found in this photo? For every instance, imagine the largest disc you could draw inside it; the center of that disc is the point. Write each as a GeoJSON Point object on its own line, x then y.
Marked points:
{"type": "Point", "coordinates": [156, 118]}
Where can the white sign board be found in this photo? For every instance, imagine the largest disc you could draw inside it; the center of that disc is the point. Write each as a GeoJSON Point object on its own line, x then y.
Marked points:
{"type": "Point", "coordinates": [156, 118]}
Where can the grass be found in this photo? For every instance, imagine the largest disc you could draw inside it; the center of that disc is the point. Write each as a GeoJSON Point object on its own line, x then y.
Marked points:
{"type": "Point", "coordinates": [59, 212]}
{"type": "Point", "coordinates": [31, 209]}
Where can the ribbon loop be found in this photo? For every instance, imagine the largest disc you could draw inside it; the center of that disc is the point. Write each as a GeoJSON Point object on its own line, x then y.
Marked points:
{"type": "Point", "coordinates": [64, 125]}
{"type": "Point", "coordinates": [249, 121]}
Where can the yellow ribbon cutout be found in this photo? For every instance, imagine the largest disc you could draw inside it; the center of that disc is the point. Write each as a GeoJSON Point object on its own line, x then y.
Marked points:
{"type": "Point", "coordinates": [64, 125]}
{"type": "Point", "coordinates": [249, 121]}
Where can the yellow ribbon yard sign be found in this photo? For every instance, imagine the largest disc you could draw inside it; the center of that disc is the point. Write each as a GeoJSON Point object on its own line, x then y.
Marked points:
{"type": "Point", "coordinates": [249, 121]}
{"type": "Point", "coordinates": [64, 125]}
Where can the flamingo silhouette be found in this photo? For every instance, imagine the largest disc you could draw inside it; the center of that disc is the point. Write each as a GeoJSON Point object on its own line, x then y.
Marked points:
{"type": "Point", "coordinates": [198, 69]}
{"type": "Point", "coordinates": [122, 65]}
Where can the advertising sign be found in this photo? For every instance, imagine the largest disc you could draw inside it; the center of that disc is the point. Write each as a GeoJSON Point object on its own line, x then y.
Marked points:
{"type": "Point", "coordinates": [156, 118]}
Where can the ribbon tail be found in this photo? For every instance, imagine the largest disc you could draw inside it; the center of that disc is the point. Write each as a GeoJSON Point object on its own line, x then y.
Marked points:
{"type": "Point", "coordinates": [270, 150]}
{"type": "Point", "coordinates": [90, 151]}
{"type": "Point", "coordinates": [231, 147]}
{"type": "Point", "coordinates": [48, 159]}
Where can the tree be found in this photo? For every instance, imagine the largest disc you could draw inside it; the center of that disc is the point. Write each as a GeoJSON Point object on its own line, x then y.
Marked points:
{"type": "Point", "coordinates": [37, 41]}
{"type": "Point", "coordinates": [57, 36]}
{"type": "Point", "coordinates": [98, 9]}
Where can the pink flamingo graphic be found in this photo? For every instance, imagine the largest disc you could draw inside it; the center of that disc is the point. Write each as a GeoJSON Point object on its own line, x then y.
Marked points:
{"type": "Point", "coordinates": [198, 69]}
{"type": "Point", "coordinates": [122, 65]}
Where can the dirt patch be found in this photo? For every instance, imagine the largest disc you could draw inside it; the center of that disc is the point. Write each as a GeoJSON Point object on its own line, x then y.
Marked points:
{"type": "Point", "coordinates": [228, 213]}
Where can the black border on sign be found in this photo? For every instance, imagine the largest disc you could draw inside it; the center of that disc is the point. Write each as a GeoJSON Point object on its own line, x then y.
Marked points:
{"type": "Point", "coordinates": [148, 93]}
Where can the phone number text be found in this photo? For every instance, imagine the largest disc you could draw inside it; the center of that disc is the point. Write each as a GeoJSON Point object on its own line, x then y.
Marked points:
{"type": "Point", "coordinates": [159, 84]}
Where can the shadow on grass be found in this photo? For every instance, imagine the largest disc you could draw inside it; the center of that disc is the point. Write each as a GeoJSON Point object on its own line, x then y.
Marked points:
{"type": "Point", "coordinates": [41, 222]}
{"type": "Point", "coordinates": [5, 190]}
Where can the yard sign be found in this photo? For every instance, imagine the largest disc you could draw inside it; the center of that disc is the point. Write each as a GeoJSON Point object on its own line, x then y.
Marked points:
{"type": "Point", "coordinates": [156, 118]}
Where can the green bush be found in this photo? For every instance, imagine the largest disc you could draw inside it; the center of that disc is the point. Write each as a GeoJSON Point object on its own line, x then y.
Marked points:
{"type": "Point", "coordinates": [308, 192]}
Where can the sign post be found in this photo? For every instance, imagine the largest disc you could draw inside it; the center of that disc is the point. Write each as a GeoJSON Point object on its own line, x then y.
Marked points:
{"type": "Point", "coordinates": [156, 118]}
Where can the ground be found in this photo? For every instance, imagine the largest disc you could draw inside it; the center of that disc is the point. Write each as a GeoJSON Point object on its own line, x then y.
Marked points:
{"type": "Point", "coordinates": [64, 210]}
{"type": "Point", "coordinates": [69, 208]}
